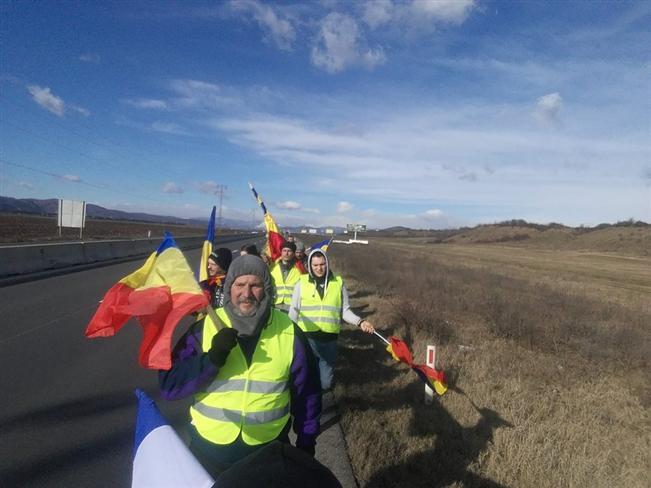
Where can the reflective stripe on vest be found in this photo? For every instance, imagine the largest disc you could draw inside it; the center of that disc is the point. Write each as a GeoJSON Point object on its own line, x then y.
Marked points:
{"type": "Point", "coordinates": [320, 314]}
{"type": "Point", "coordinates": [251, 400]}
{"type": "Point", "coordinates": [284, 288]}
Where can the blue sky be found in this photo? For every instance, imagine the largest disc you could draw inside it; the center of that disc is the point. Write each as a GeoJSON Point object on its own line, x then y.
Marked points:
{"type": "Point", "coordinates": [421, 113]}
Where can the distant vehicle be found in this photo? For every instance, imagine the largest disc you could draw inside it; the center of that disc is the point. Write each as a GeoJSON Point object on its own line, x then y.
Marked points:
{"type": "Point", "coordinates": [330, 231]}
{"type": "Point", "coordinates": [303, 231]}
{"type": "Point", "coordinates": [312, 231]}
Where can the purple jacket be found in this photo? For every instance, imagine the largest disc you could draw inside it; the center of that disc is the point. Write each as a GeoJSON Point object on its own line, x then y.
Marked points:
{"type": "Point", "coordinates": [192, 371]}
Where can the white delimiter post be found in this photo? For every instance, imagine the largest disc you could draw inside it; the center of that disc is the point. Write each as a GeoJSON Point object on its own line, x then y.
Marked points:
{"type": "Point", "coordinates": [430, 361]}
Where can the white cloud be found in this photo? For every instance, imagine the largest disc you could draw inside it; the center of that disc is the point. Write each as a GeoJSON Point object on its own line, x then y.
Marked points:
{"type": "Point", "coordinates": [48, 100]}
{"type": "Point", "coordinates": [168, 128]}
{"type": "Point", "coordinates": [434, 213]}
{"type": "Point", "coordinates": [171, 187]}
{"type": "Point", "coordinates": [72, 178]}
{"type": "Point", "coordinates": [148, 103]}
{"type": "Point", "coordinates": [289, 205]}
{"type": "Point", "coordinates": [343, 207]}
{"type": "Point", "coordinates": [377, 12]}
{"type": "Point", "coordinates": [452, 11]}
{"type": "Point", "coordinates": [311, 210]}
{"type": "Point", "coordinates": [83, 111]}
{"type": "Point", "coordinates": [26, 185]}
{"type": "Point", "coordinates": [339, 44]}
{"type": "Point", "coordinates": [279, 30]}
{"type": "Point", "coordinates": [548, 108]}
{"type": "Point", "coordinates": [198, 94]}
{"type": "Point", "coordinates": [90, 58]}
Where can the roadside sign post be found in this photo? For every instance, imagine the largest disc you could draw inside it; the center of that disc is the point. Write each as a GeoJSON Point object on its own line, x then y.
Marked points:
{"type": "Point", "coordinates": [355, 228]}
{"type": "Point", "coordinates": [72, 214]}
{"type": "Point", "coordinates": [431, 362]}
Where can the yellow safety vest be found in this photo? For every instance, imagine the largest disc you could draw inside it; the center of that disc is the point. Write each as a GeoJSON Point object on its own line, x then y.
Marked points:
{"type": "Point", "coordinates": [253, 400]}
{"type": "Point", "coordinates": [284, 288]}
{"type": "Point", "coordinates": [317, 313]}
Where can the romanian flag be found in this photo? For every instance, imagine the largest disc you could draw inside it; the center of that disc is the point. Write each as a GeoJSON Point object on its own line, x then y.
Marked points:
{"type": "Point", "coordinates": [159, 294]}
{"type": "Point", "coordinates": [430, 376]}
{"type": "Point", "coordinates": [323, 245]}
{"type": "Point", "coordinates": [160, 457]}
{"type": "Point", "coordinates": [207, 247]}
{"type": "Point", "coordinates": [274, 236]}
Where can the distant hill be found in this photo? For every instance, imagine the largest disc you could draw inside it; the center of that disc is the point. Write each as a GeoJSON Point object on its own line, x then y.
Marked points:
{"type": "Point", "coordinates": [50, 207]}
{"type": "Point", "coordinates": [628, 237]}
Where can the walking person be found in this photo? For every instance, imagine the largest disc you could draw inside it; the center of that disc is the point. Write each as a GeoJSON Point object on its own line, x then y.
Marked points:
{"type": "Point", "coordinates": [285, 274]}
{"type": "Point", "coordinates": [319, 304]}
{"type": "Point", "coordinates": [249, 378]}
{"type": "Point", "coordinates": [218, 263]}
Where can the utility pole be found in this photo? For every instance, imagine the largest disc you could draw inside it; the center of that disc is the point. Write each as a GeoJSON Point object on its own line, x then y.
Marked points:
{"type": "Point", "coordinates": [220, 191]}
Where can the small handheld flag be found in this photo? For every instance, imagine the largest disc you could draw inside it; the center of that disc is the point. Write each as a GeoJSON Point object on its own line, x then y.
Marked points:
{"type": "Point", "coordinates": [323, 245]}
{"type": "Point", "coordinates": [160, 458]}
{"type": "Point", "coordinates": [274, 236]}
{"type": "Point", "coordinates": [159, 294]}
{"type": "Point", "coordinates": [207, 247]}
{"type": "Point", "coordinates": [430, 376]}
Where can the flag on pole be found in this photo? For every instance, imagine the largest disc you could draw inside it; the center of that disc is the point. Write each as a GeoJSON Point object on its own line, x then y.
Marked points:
{"type": "Point", "coordinates": [160, 458]}
{"type": "Point", "coordinates": [159, 294]}
{"type": "Point", "coordinates": [430, 376]}
{"type": "Point", "coordinates": [207, 247]}
{"type": "Point", "coordinates": [323, 245]}
{"type": "Point", "coordinates": [274, 236]}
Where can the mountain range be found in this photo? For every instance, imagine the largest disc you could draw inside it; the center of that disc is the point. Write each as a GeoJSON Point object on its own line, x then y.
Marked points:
{"type": "Point", "coordinates": [50, 207]}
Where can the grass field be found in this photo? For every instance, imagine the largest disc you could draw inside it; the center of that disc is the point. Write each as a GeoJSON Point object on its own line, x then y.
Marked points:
{"type": "Point", "coordinates": [547, 354]}
{"type": "Point", "coordinates": [15, 228]}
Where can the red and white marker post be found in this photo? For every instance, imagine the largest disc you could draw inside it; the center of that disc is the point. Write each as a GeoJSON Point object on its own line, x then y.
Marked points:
{"type": "Point", "coordinates": [430, 361]}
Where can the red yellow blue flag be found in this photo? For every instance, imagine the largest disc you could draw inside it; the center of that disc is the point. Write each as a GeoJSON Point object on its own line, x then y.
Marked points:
{"type": "Point", "coordinates": [430, 376]}
{"type": "Point", "coordinates": [274, 236]}
{"type": "Point", "coordinates": [323, 245]}
{"type": "Point", "coordinates": [207, 247]}
{"type": "Point", "coordinates": [158, 294]}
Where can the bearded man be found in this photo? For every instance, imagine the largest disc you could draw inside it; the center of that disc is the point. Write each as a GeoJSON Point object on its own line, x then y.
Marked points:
{"type": "Point", "coordinates": [247, 374]}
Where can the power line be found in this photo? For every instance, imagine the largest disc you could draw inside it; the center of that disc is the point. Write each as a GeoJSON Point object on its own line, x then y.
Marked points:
{"type": "Point", "coordinates": [81, 182]}
{"type": "Point", "coordinates": [130, 160]}
{"type": "Point", "coordinates": [33, 134]}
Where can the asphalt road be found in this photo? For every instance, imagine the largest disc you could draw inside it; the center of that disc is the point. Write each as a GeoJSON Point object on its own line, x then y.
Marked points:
{"type": "Point", "coordinates": [68, 411]}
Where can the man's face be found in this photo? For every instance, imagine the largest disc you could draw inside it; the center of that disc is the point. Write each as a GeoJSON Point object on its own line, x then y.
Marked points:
{"type": "Point", "coordinates": [300, 254]}
{"type": "Point", "coordinates": [214, 268]}
{"type": "Point", "coordinates": [247, 292]}
{"type": "Point", "coordinates": [286, 254]}
{"type": "Point", "coordinates": [318, 264]}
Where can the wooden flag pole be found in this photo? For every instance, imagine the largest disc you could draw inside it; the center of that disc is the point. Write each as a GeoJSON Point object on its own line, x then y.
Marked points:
{"type": "Point", "coordinates": [215, 320]}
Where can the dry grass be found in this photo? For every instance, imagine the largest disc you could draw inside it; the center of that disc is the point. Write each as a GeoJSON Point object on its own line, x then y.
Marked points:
{"type": "Point", "coordinates": [549, 385]}
{"type": "Point", "coordinates": [35, 228]}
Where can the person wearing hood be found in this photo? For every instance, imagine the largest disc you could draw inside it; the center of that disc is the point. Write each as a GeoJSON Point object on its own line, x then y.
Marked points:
{"type": "Point", "coordinates": [319, 304]}
{"type": "Point", "coordinates": [218, 263]}
{"type": "Point", "coordinates": [249, 375]}
{"type": "Point", "coordinates": [285, 273]}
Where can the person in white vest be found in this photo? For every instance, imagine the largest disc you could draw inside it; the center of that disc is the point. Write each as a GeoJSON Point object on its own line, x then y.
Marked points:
{"type": "Point", "coordinates": [319, 304]}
